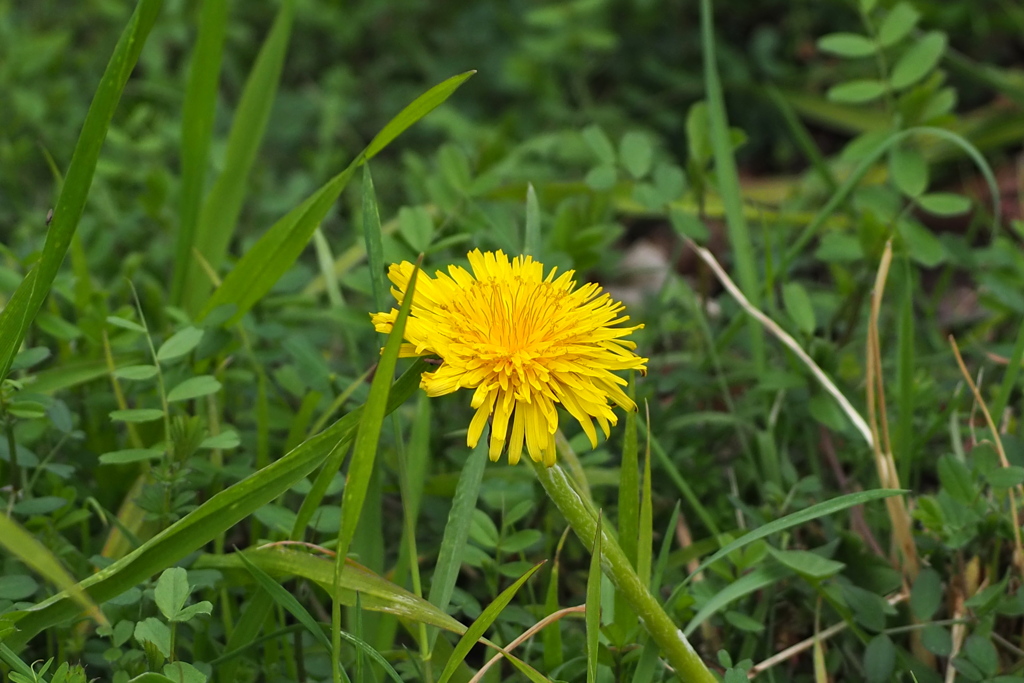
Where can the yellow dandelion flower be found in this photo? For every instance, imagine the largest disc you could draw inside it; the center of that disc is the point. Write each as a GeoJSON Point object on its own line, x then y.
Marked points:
{"type": "Point", "coordinates": [524, 342]}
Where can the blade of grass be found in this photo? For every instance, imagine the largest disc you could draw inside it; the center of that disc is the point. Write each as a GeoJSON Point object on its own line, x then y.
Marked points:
{"type": "Point", "coordinates": [482, 623]}
{"type": "Point", "coordinates": [219, 214]}
{"type": "Point", "coordinates": [279, 247]}
{"type": "Point", "coordinates": [375, 592]}
{"type": "Point", "coordinates": [1010, 378]}
{"type": "Point", "coordinates": [866, 164]}
{"type": "Point", "coordinates": [24, 304]}
{"type": "Point", "coordinates": [645, 543]}
{"type": "Point", "coordinates": [552, 638]}
{"type": "Point", "coordinates": [815, 511]}
{"type": "Point", "coordinates": [594, 579]}
{"type": "Point", "coordinates": [756, 580]}
{"type": "Point", "coordinates": [24, 546]}
{"type": "Point", "coordinates": [629, 505]}
{"type": "Point", "coordinates": [531, 233]}
{"type": "Point", "coordinates": [364, 454]}
{"type": "Point", "coordinates": [729, 183]}
{"type": "Point", "coordinates": [374, 242]}
{"type": "Point", "coordinates": [197, 117]}
{"type": "Point", "coordinates": [206, 522]}
{"type": "Point", "coordinates": [680, 481]}
{"type": "Point", "coordinates": [905, 369]}
{"type": "Point", "coordinates": [286, 600]}
{"type": "Point", "coordinates": [456, 530]}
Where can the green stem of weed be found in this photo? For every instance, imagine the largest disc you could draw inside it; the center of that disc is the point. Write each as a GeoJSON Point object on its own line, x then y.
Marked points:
{"type": "Point", "coordinates": [584, 521]}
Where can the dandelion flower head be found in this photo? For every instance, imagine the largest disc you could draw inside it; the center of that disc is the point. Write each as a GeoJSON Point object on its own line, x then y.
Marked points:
{"type": "Point", "coordinates": [525, 343]}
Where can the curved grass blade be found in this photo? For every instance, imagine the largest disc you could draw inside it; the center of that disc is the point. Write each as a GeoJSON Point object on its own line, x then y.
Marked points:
{"type": "Point", "coordinates": [482, 623]}
{"type": "Point", "coordinates": [745, 585]}
{"type": "Point", "coordinates": [279, 247]}
{"type": "Point", "coordinates": [206, 522]}
{"type": "Point", "coordinates": [364, 453]}
{"type": "Point", "coordinates": [286, 600]}
{"type": "Point", "coordinates": [219, 214]}
{"type": "Point", "coordinates": [197, 116]}
{"type": "Point", "coordinates": [38, 557]}
{"type": "Point", "coordinates": [818, 510]}
{"type": "Point", "coordinates": [375, 592]}
{"type": "Point", "coordinates": [868, 162]}
{"type": "Point", "coordinates": [729, 182]}
{"type": "Point", "coordinates": [24, 304]}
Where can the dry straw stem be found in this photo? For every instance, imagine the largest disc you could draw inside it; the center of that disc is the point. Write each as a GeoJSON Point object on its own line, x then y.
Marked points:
{"type": "Point", "coordinates": [787, 340]}
{"type": "Point", "coordinates": [808, 643]}
{"type": "Point", "coordinates": [529, 633]}
{"type": "Point", "coordinates": [896, 506]}
{"type": "Point", "coordinates": [1018, 555]}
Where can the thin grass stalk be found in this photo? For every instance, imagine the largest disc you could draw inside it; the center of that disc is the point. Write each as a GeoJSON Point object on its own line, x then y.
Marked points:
{"type": "Point", "coordinates": [784, 337]}
{"type": "Point", "coordinates": [1018, 555]}
{"type": "Point", "coordinates": [888, 477]}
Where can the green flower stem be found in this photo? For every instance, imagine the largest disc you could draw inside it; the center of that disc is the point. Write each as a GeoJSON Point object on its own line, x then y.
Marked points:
{"type": "Point", "coordinates": [583, 519]}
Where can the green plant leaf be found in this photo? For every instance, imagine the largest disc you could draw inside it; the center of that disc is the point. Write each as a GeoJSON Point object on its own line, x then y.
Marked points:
{"type": "Point", "coordinates": [636, 154]}
{"type": "Point", "coordinates": [897, 25]}
{"type": "Point", "coordinates": [172, 591]}
{"type": "Point", "coordinates": [194, 387]}
{"type": "Point", "coordinates": [599, 144]}
{"type": "Point", "coordinates": [926, 595]}
{"type": "Point", "coordinates": [756, 580]}
{"type": "Point", "coordinates": [857, 91]}
{"type": "Point", "coordinates": [909, 170]}
{"type": "Point", "coordinates": [918, 61]}
{"type": "Point", "coordinates": [807, 564]}
{"type": "Point", "coordinates": [136, 372]}
{"type": "Point", "coordinates": [179, 343]}
{"type": "Point", "coordinates": [129, 455]}
{"type": "Point", "coordinates": [152, 630]}
{"type": "Point", "coordinates": [879, 659]}
{"type": "Point", "coordinates": [136, 415]}
{"type": "Point", "coordinates": [798, 306]}
{"type": "Point", "coordinates": [850, 45]}
{"type": "Point", "coordinates": [21, 308]}
{"type": "Point", "coordinates": [944, 203]}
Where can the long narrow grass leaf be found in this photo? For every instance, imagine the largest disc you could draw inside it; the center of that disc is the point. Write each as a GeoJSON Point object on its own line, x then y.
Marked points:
{"type": "Point", "coordinates": [374, 242]}
{"type": "Point", "coordinates": [456, 531]}
{"type": "Point", "coordinates": [24, 304]}
{"type": "Point", "coordinates": [827, 507]}
{"type": "Point", "coordinates": [24, 546]}
{"type": "Point", "coordinates": [593, 602]}
{"type": "Point", "coordinates": [482, 623]}
{"type": "Point", "coordinates": [197, 117]}
{"type": "Point", "coordinates": [865, 165]}
{"type": "Point", "coordinates": [223, 204]}
{"type": "Point", "coordinates": [761, 577]}
{"type": "Point", "coordinates": [375, 592]}
{"type": "Point", "coordinates": [277, 250]}
{"type": "Point", "coordinates": [288, 601]}
{"type": "Point", "coordinates": [728, 181]}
